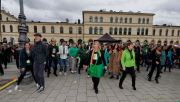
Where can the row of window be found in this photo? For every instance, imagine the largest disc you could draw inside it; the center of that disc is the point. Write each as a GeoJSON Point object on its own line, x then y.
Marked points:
{"type": "Point", "coordinates": [166, 32]}
{"type": "Point", "coordinates": [7, 19]}
{"type": "Point", "coordinates": [118, 20]}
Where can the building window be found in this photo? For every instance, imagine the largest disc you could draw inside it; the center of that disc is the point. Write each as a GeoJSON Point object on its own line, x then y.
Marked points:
{"type": "Point", "coordinates": [125, 31]}
{"type": "Point", "coordinates": [125, 21]}
{"type": "Point", "coordinates": [178, 33]}
{"type": "Point", "coordinates": [139, 21]}
{"type": "Point", "coordinates": [142, 31]}
{"type": "Point", "coordinates": [115, 31]}
{"type": "Point", "coordinates": [96, 19]}
{"type": "Point", "coordinates": [147, 20]}
{"type": "Point", "coordinates": [0, 17]}
{"type": "Point", "coordinates": [121, 20]}
{"type": "Point", "coordinates": [11, 28]}
{"type": "Point", "coordinates": [172, 33]}
{"type": "Point", "coordinates": [27, 28]}
{"type": "Point", "coordinates": [7, 19]}
{"type": "Point", "coordinates": [35, 29]}
{"type": "Point", "coordinates": [154, 32]}
{"type": "Point", "coordinates": [3, 27]}
{"type": "Point", "coordinates": [116, 20]}
{"type": "Point", "coordinates": [166, 32]}
{"type": "Point", "coordinates": [43, 29]}
{"type": "Point", "coordinates": [138, 31]}
{"type": "Point", "coordinates": [61, 30]}
{"type": "Point", "coordinates": [95, 30]}
{"type": "Point", "coordinates": [52, 29]}
{"type": "Point", "coordinates": [111, 31]}
{"type": "Point", "coordinates": [79, 30]}
{"type": "Point", "coordinates": [129, 31]}
{"type": "Point", "coordinates": [101, 19]}
{"type": "Point", "coordinates": [101, 30]}
{"type": "Point", "coordinates": [120, 31]}
{"type": "Point", "coordinates": [111, 20]}
{"type": "Point", "coordinates": [70, 30]}
{"type": "Point", "coordinates": [90, 30]}
{"type": "Point", "coordinates": [146, 31]}
{"type": "Point", "coordinates": [130, 20]}
{"type": "Point", "coordinates": [143, 21]}
{"type": "Point", "coordinates": [90, 19]}
{"type": "Point", "coordinates": [160, 32]}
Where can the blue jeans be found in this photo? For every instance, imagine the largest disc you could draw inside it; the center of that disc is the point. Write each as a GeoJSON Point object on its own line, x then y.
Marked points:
{"type": "Point", "coordinates": [63, 65]}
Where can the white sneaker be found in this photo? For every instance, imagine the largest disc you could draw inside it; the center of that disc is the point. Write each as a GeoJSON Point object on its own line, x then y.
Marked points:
{"type": "Point", "coordinates": [88, 76]}
{"type": "Point", "coordinates": [65, 73]}
{"type": "Point", "coordinates": [37, 85]}
{"type": "Point", "coordinates": [60, 73]}
{"type": "Point", "coordinates": [16, 87]}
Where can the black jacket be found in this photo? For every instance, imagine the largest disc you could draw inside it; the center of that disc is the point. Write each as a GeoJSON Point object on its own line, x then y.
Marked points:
{"type": "Point", "coordinates": [40, 52]}
{"type": "Point", "coordinates": [25, 59]}
{"type": "Point", "coordinates": [53, 55]}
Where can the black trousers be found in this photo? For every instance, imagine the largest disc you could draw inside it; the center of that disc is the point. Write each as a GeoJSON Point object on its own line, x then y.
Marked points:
{"type": "Point", "coordinates": [153, 67]}
{"type": "Point", "coordinates": [138, 64]}
{"type": "Point", "coordinates": [130, 71]}
{"type": "Point", "coordinates": [21, 77]}
{"type": "Point", "coordinates": [5, 62]}
{"type": "Point", "coordinates": [54, 61]}
{"type": "Point", "coordinates": [1, 69]}
{"type": "Point", "coordinates": [95, 82]}
{"type": "Point", "coordinates": [39, 73]}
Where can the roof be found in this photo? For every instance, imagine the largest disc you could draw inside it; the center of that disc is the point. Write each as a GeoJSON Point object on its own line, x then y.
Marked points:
{"type": "Point", "coordinates": [120, 12]}
{"type": "Point", "coordinates": [7, 13]}
{"type": "Point", "coordinates": [106, 38]}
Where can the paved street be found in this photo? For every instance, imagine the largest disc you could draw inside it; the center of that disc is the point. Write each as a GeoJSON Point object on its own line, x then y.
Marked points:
{"type": "Point", "coordinates": [78, 88]}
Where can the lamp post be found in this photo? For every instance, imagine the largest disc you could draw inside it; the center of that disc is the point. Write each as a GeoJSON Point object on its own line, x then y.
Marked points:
{"type": "Point", "coordinates": [22, 26]}
{"type": "Point", "coordinates": [0, 23]}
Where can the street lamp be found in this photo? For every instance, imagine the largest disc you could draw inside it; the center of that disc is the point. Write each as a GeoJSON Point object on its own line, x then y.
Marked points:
{"type": "Point", "coordinates": [22, 26]}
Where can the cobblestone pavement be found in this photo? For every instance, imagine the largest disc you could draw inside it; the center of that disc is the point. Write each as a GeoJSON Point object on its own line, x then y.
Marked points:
{"type": "Point", "coordinates": [78, 88]}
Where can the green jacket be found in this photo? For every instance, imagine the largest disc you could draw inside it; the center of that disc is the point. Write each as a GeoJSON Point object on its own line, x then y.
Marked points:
{"type": "Point", "coordinates": [73, 51]}
{"type": "Point", "coordinates": [126, 60]}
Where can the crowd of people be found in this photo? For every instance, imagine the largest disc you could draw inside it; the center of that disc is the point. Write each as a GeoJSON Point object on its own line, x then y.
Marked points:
{"type": "Point", "coordinates": [115, 59]}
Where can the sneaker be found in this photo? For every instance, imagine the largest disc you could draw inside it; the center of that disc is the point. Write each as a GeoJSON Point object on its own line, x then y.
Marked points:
{"type": "Point", "coordinates": [16, 87]}
{"type": "Point", "coordinates": [41, 89]}
{"type": "Point", "coordinates": [134, 88]}
{"type": "Point", "coordinates": [96, 91]}
{"type": "Point", "coordinates": [37, 85]}
{"type": "Point", "coordinates": [157, 81]}
{"type": "Point", "coordinates": [60, 73]}
{"type": "Point", "coordinates": [120, 86]}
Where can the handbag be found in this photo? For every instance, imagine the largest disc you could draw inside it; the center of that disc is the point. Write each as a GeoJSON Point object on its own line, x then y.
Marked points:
{"type": "Point", "coordinates": [95, 70]}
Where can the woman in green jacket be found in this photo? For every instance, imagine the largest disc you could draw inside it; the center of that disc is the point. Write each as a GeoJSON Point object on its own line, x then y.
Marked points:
{"type": "Point", "coordinates": [128, 65]}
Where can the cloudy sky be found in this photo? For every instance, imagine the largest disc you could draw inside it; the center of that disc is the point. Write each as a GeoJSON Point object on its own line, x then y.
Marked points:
{"type": "Point", "coordinates": [167, 11]}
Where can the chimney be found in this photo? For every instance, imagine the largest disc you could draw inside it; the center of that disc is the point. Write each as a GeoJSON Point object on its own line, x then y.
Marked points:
{"type": "Point", "coordinates": [79, 21]}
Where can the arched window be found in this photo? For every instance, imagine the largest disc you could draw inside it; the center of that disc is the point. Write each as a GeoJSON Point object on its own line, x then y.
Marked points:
{"type": "Point", "coordinates": [52, 29]}
{"type": "Point", "coordinates": [79, 30]}
{"type": "Point", "coordinates": [27, 27]}
{"type": "Point", "coordinates": [110, 30]}
{"type": "Point", "coordinates": [125, 31]}
{"type": "Point", "coordinates": [160, 32]}
{"type": "Point", "coordinates": [90, 30]}
{"type": "Point", "coordinates": [154, 32]}
{"type": "Point", "coordinates": [115, 31]}
{"type": "Point", "coordinates": [143, 21]}
{"type": "Point", "coordinates": [142, 31]}
{"type": "Point", "coordinates": [121, 20]}
{"type": "Point", "coordinates": [130, 20]}
{"type": "Point", "coordinates": [35, 29]}
{"type": "Point", "coordinates": [167, 32]}
{"type": "Point", "coordinates": [146, 31]}
{"type": "Point", "coordinates": [0, 17]}
{"type": "Point", "coordinates": [7, 19]}
{"type": "Point", "coordinates": [111, 20]}
{"type": "Point", "coordinates": [101, 30]}
{"type": "Point", "coordinates": [95, 30]}
{"type": "Point", "coordinates": [43, 29]}
{"type": "Point", "coordinates": [4, 28]}
{"type": "Point", "coordinates": [129, 31]}
{"type": "Point", "coordinates": [120, 31]}
{"type": "Point", "coordinates": [11, 28]}
{"type": "Point", "coordinates": [147, 20]}
{"type": "Point", "coordinates": [96, 19]}
{"type": "Point", "coordinates": [90, 19]}
{"type": "Point", "coordinates": [70, 30]}
{"type": "Point", "coordinates": [138, 31]}
{"type": "Point", "coordinates": [178, 33]}
{"type": "Point", "coordinates": [139, 21]}
{"type": "Point", "coordinates": [101, 19]}
{"type": "Point", "coordinates": [116, 20]}
{"type": "Point", "coordinates": [172, 32]}
{"type": "Point", "coordinates": [61, 30]}
{"type": "Point", "coordinates": [125, 21]}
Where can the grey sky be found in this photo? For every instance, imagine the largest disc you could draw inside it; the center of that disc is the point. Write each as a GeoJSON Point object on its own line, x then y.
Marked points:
{"type": "Point", "coordinates": [167, 11]}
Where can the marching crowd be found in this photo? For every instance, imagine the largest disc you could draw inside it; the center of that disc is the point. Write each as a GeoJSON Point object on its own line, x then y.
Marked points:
{"type": "Point", "coordinates": [116, 59]}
